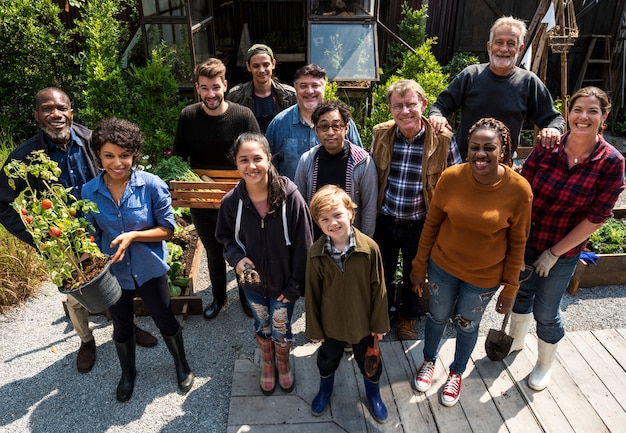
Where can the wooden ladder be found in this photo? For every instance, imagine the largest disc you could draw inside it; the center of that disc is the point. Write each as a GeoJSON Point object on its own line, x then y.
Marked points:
{"type": "Point", "coordinates": [606, 81]}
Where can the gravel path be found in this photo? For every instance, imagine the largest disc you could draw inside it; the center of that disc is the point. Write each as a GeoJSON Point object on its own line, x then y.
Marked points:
{"type": "Point", "coordinates": [41, 390]}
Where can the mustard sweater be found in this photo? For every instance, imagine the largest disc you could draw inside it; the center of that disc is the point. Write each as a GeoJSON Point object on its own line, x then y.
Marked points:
{"type": "Point", "coordinates": [477, 232]}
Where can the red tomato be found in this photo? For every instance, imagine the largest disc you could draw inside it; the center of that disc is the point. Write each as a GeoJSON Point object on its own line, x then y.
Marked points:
{"type": "Point", "coordinates": [46, 204]}
{"type": "Point", "coordinates": [54, 231]}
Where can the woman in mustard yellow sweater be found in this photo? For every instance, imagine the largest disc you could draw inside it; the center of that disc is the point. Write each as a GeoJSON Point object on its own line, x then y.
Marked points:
{"type": "Point", "coordinates": [472, 243]}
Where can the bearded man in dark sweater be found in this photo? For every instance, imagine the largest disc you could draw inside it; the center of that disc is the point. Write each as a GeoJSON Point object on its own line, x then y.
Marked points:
{"type": "Point", "coordinates": [205, 133]}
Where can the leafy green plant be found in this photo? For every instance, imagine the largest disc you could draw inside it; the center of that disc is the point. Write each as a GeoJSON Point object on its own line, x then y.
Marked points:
{"type": "Point", "coordinates": [104, 91]}
{"type": "Point", "coordinates": [610, 238]}
{"type": "Point", "coordinates": [53, 218]}
{"type": "Point", "coordinates": [174, 276]}
{"type": "Point", "coordinates": [34, 53]}
{"type": "Point", "coordinates": [174, 168]}
{"type": "Point", "coordinates": [459, 62]}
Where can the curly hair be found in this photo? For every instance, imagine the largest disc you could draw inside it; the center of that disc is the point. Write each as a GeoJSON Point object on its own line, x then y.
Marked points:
{"type": "Point", "coordinates": [120, 132]}
{"type": "Point", "coordinates": [277, 191]}
{"type": "Point", "coordinates": [502, 130]}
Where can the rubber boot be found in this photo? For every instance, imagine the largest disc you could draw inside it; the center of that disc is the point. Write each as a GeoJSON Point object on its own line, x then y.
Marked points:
{"type": "Point", "coordinates": [377, 407]}
{"type": "Point", "coordinates": [286, 379]}
{"type": "Point", "coordinates": [126, 355]}
{"type": "Point", "coordinates": [176, 347]}
{"type": "Point", "coordinates": [320, 402]}
{"type": "Point", "coordinates": [244, 302]}
{"type": "Point", "coordinates": [540, 376]}
{"type": "Point", "coordinates": [218, 288]}
{"type": "Point", "coordinates": [268, 372]}
{"type": "Point", "coordinates": [520, 324]}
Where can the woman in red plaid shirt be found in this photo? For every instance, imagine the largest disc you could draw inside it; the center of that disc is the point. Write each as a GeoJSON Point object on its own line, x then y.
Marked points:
{"type": "Point", "coordinates": [575, 185]}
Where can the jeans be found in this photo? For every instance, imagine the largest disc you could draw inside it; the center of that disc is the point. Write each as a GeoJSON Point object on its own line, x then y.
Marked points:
{"type": "Point", "coordinates": [155, 294]}
{"type": "Point", "coordinates": [542, 295]}
{"type": "Point", "coordinates": [392, 237]}
{"type": "Point", "coordinates": [279, 327]}
{"type": "Point", "coordinates": [205, 221]}
{"type": "Point", "coordinates": [446, 291]}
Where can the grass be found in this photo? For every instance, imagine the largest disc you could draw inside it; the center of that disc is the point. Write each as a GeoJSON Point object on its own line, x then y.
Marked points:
{"type": "Point", "coordinates": [21, 272]}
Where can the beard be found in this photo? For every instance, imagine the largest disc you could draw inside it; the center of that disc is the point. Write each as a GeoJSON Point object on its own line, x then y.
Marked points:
{"type": "Point", "coordinates": [58, 136]}
{"type": "Point", "coordinates": [214, 104]}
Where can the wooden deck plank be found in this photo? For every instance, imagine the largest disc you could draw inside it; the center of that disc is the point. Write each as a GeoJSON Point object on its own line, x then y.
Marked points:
{"type": "Point", "coordinates": [615, 343]}
{"type": "Point", "coordinates": [592, 387]}
{"type": "Point", "coordinates": [568, 395]}
{"type": "Point", "coordinates": [603, 364]}
{"type": "Point", "coordinates": [412, 407]}
{"type": "Point", "coordinates": [585, 394]}
{"type": "Point", "coordinates": [500, 399]}
{"type": "Point", "coordinates": [345, 403]}
{"type": "Point", "coordinates": [542, 404]}
{"type": "Point", "coordinates": [448, 419]}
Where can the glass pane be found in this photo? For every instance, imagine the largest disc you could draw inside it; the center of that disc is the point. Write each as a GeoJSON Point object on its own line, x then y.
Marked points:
{"type": "Point", "coordinates": [204, 44]}
{"type": "Point", "coordinates": [200, 10]}
{"type": "Point", "coordinates": [176, 39]}
{"type": "Point", "coordinates": [152, 8]}
{"type": "Point", "coordinates": [346, 51]}
{"type": "Point", "coordinates": [342, 8]}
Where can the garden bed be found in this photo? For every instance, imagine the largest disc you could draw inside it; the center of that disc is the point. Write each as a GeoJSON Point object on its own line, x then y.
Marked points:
{"type": "Point", "coordinates": [609, 270]}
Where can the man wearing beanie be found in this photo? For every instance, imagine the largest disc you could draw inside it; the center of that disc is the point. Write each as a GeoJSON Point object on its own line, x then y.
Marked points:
{"type": "Point", "coordinates": [264, 95]}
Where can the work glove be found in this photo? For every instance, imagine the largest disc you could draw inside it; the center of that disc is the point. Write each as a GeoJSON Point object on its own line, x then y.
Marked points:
{"type": "Point", "coordinates": [545, 262]}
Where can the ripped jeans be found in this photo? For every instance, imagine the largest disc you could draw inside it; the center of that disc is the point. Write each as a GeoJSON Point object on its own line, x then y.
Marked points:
{"type": "Point", "coordinates": [264, 309]}
{"type": "Point", "coordinates": [446, 291]}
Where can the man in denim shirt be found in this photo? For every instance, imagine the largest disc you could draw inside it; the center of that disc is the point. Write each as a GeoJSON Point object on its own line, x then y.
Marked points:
{"type": "Point", "coordinates": [66, 143]}
{"type": "Point", "coordinates": [291, 132]}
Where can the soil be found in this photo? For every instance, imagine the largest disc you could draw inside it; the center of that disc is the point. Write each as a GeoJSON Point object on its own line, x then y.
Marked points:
{"type": "Point", "coordinates": [92, 267]}
{"type": "Point", "coordinates": [188, 241]}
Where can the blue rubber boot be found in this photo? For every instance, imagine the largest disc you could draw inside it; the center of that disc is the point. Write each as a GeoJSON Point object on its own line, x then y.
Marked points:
{"type": "Point", "coordinates": [320, 402]}
{"type": "Point", "coordinates": [377, 407]}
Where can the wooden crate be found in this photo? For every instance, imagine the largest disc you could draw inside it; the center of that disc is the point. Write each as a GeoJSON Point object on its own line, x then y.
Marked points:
{"type": "Point", "coordinates": [204, 194]}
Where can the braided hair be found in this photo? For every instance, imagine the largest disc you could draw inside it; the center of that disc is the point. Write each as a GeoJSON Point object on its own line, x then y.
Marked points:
{"type": "Point", "coordinates": [502, 130]}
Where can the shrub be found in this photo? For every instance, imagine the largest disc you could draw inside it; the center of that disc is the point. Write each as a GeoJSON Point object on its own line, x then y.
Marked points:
{"type": "Point", "coordinates": [34, 53]}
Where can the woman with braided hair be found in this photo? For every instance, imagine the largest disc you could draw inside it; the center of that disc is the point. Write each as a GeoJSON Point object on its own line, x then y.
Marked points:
{"type": "Point", "coordinates": [472, 244]}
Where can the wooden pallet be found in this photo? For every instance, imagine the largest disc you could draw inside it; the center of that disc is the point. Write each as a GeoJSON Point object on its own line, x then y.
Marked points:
{"type": "Point", "coordinates": [204, 194]}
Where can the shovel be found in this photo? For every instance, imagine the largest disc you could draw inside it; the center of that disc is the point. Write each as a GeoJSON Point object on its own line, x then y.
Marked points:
{"type": "Point", "coordinates": [498, 344]}
{"type": "Point", "coordinates": [372, 358]}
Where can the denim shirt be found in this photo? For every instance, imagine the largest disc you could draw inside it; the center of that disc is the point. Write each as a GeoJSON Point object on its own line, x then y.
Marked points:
{"type": "Point", "coordinates": [75, 170]}
{"type": "Point", "coordinates": [145, 204]}
{"type": "Point", "coordinates": [290, 136]}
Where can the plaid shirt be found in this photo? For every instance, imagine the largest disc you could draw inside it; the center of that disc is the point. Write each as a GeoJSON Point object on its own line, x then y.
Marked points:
{"type": "Point", "coordinates": [339, 257]}
{"type": "Point", "coordinates": [404, 197]}
{"type": "Point", "coordinates": [564, 197]}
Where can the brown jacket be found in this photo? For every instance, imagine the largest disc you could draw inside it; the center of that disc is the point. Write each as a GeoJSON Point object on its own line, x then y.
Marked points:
{"type": "Point", "coordinates": [434, 161]}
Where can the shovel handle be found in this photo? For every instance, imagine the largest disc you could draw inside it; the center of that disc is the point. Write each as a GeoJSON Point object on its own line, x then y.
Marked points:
{"type": "Point", "coordinates": [505, 321]}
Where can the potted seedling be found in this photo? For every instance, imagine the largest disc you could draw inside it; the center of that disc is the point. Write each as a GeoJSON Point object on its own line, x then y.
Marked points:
{"type": "Point", "coordinates": [63, 237]}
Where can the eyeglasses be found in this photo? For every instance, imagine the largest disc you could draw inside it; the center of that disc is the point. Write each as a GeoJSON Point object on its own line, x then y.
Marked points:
{"type": "Point", "coordinates": [336, 127]}
{"type": "Point", "coordinates": [399, 107]}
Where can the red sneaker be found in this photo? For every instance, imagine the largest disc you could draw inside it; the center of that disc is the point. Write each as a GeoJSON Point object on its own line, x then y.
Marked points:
{"type": "Point", "coordinates": [451, 390]}
{"type": "Point", "coordinates": [424, 376]}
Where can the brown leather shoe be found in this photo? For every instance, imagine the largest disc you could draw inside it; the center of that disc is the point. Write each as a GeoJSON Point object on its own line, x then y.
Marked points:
{"type": "Point", "coordinates": [144, 338]}
{"type": "Point", "coordinates": [406, 329]}
{"type": "Point", "coordinates": [86, 356]}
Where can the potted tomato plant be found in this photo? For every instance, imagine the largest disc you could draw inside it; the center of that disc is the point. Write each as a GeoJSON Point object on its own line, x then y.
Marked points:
{"type": "Point", "coordinates": [55, 220]}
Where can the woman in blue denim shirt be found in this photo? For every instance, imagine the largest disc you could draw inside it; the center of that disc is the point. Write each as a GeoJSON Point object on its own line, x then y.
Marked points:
{"type": "Point", "coordinates": [135, 219]}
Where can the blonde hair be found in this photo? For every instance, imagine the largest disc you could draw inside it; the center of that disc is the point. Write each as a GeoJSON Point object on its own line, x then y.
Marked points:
{"type": "Point", "coordinates": [328, 197]}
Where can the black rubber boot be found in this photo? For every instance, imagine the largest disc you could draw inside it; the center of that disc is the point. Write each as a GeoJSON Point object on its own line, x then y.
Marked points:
{"type": "Point", "coordinates": [244, 302]}
{"type": "Point", "coordinates": [218, 287]}
{"type": "Point", "coordinates": [177, 349]}
{"type": "Point", "coordinates": [126, 354]}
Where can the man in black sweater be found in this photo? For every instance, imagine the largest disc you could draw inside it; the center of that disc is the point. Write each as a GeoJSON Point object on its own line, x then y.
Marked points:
{"type": "Point", "coordinates": [205, 133]}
